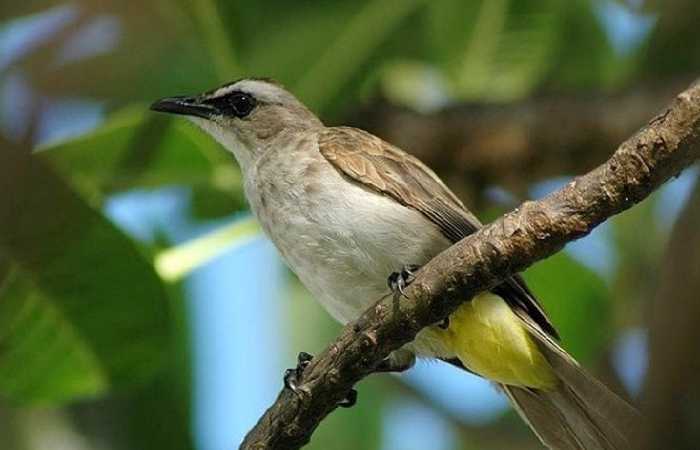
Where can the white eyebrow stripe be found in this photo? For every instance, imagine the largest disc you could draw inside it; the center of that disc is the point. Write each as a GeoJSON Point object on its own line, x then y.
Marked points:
{"type": "Point", "coordinates": [223, 91]}
{"type": "Point", "coordinates": [262, 91]}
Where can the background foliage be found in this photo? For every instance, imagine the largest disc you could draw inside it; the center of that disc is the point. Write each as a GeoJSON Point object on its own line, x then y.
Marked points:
{"type": "Point", "coordinates": [97, 315]}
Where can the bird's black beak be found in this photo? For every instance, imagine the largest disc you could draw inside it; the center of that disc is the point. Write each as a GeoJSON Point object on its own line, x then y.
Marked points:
{"type": "Point", "coordinates": [186, 106]}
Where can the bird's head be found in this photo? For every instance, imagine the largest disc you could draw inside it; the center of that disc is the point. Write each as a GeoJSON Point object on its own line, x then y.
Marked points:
{"type": "Point", "coordinates": [244, 116]}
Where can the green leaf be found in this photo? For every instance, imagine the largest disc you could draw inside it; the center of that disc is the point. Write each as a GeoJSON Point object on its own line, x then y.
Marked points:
{"type": "Point", "coordinates": [673, 47]}
{"type": "Point", "coordinates": [493, 50]}
{"type": "Point", "coordinates": [359, 427]}
{"type": "Point", "coordinates": [159, 52]}
{"type": "Point", "coordinates": [577, 301]}
{"type": "Point", "coordinates": [136, 148]}
{"type": "Point", "coordinates": [323, 51]}
{"type": "Point", "coordinates": [16, 10]}
{"type": "Point", "coordinates": [219, 43]}
{"type": "Point", "coordinates": [352, 46]}
{"type": "Point", "coordinates": [211, 202]}
{"type": "Point", "coordinates": [583, 56]}
{"type": "Point", "coordinates": [639, 253]}
{"type": "Point", "coordinates": [43, 357]}
{"type": "Point", "coordinates": [160, 413]}
{"type": "Point", "coordinates": [90, 274]}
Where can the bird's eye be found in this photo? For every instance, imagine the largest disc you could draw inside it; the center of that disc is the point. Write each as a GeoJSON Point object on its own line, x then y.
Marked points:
{"type": "Point", "coordinates": [241, 104]}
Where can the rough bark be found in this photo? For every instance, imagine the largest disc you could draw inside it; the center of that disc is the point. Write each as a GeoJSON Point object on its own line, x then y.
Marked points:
{"type": "Point", "coordinates": [528, 234]}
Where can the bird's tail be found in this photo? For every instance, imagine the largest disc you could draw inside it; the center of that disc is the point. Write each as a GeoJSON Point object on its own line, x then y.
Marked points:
{"type": "Point", "coordinates": [580, 413]}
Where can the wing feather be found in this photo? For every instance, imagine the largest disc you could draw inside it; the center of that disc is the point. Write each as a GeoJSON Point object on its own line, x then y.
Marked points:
{"type": "Point", "coordinates": [390, 171]}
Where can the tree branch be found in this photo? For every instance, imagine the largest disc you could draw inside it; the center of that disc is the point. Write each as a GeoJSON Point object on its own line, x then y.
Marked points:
{"type": "Point", "coordinates": [530, 233]}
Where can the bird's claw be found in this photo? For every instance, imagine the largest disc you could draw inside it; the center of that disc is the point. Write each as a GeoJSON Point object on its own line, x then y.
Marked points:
{"type": "Point", "coordinates": [350, 400]}
{"type": "Point", "coordinates": [291, 376]}
{"type": "Point", "coordinates": [398, 281]}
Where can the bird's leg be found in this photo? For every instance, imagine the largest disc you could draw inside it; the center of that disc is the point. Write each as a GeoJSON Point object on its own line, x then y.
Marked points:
{"type": "Point", "coordinates": [398, 281]}
{"type": "Point", "coordinates": [291, 380]}
{"type": "Point", "coordinates": [399, 361]}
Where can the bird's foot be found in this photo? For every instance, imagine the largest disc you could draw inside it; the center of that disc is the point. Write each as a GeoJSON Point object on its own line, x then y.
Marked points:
{"type": "Point", "coordinates": [292, 376]}
{"type": "Point", "coordinates": [349, 400]}
{"type": "Point", "coordinates": [398, 281]}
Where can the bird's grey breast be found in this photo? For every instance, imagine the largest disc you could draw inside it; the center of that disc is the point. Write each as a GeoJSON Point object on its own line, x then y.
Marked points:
{"type": "Point", "coordinates": [342, 239]}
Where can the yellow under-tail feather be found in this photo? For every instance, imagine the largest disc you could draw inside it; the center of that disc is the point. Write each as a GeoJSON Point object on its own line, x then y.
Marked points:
{"type": "Point", "coordinates": [567, 408]}
{"type": "Point", "coordinates": [492, 341]}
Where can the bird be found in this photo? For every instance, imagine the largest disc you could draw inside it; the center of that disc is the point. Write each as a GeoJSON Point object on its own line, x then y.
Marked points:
{"type": "Point", "coordinates": [355, 218]}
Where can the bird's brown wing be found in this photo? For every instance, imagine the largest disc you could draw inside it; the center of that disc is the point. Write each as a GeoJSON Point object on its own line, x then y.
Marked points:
{"type": "Point", "coordinates": [390, 171]}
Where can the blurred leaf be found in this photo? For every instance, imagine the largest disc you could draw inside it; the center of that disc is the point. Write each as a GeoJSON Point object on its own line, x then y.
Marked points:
{"type": "Point", "coordinates": [471, 61]}
{"type": "Point", "coordinates": [504, 50]}
{"type": "Point", "coordinates": [577, 301]}
{"type": "Point", "coordinates": [293, 41]}
{"type": "Point", "coordinates": [210, 24]}
{"type": "Point", "coordinates": [494, 50]}
{"type": "Point", "coordinates": [352, 46]}
{"type": "Point", "coordinates": [43, 357]}
{"type": "Point", "coordinates": [138, 148]}
{"type": "Point", "coordinates": [177, 262]}
{"type": "Point", "coordinates": [359, 427]}
{"type": "Point", "coordinates": [5, 269]}
{"type": "Point", "coordinates": [673, 48]}
{"type": "Point", "coordinates": [154, 415]}
{"type": "Point", "coordinates": [12, 10]}
{"type": "Point", "coordinates": [637, 235]}
{"type": "Point", "coordinates": [583, 56]}
{"type": "Point", "coordinates": [93, 274]}
{"type": "Point", "coordinates": [161, 415]}
{"type": "Point", "coordinates": [158, 52]}
{"type": "Point", "coordinates": [450, 25]}
{"type": "Point", "coordinates": [210, 202]}
{"type": "Point", "coordinates": [525, 52]}
{"type": "Point", "coordinates": [639, 242]}
{"type": "Point", "coordinates": [324, 52]}
{"type": "Point", "coordinates": [311, 328]}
